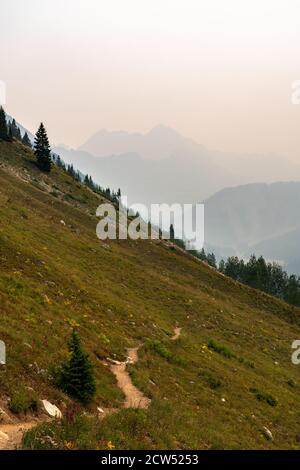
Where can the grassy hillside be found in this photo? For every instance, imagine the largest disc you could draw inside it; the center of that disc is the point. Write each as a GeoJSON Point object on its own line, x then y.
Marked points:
{"type": "Point", "coordinates": [210, 389]}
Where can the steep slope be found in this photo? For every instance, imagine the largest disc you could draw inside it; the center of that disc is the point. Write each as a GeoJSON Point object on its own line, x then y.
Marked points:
{"type": "Point", "coordinates": [54, 276]}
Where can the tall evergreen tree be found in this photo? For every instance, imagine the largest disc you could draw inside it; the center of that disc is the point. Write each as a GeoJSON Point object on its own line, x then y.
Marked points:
{"type": "Point", "coordinates": [42, 149]}
{"type": "Point", "coordinates": [76, 377]}
{"type": "Point", "coordinates": [3, 125]}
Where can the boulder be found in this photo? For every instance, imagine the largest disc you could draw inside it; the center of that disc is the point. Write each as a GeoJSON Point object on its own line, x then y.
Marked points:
{"type": "Point", "coordinates": [51, 409]}
{"type": "Point", "coordinates": [4, 417]}
{"type": "Point", "coordinates": [3, 436]}
{"type": "Point", "coordinates": [267, 433]}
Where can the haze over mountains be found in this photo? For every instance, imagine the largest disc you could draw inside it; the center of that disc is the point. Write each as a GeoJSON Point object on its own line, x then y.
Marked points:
{"type": "Point", "coordinates": [257, 218]}
{"type": "Point", "coordinates": [164, 166]}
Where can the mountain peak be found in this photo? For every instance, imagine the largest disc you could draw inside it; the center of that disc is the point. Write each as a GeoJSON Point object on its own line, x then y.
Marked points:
{"type": "Point", "coordinates": [163, 129]}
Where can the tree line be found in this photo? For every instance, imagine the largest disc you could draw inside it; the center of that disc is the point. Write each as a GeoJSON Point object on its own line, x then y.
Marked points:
{"type": "Point", "coordinates": [269, 277]}
{"type": "Point", "coordinates": [9, 130]}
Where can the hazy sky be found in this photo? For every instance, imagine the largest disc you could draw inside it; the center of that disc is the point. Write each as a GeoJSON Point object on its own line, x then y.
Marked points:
{"type": "Point", "coordinates": [217, 71]}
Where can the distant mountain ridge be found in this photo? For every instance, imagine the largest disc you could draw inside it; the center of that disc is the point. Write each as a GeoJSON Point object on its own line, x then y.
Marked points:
{"type": "Point", "coordinates": [164, 166]}
{"type": "Point", "coordinates": [257, 218]}
{"type": "Point", "coordinates": [159, 143]}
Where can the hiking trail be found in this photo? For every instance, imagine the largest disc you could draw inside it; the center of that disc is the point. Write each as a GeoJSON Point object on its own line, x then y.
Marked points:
{"type": "Point", "coordinates": [134, 398]}
{"type": "Point", "coordinates": [177, 333]}
{"type": "Point", "coordinates": [11, 434]}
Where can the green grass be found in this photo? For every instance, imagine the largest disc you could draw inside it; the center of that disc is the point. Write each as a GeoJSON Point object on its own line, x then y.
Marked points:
{"type": "Point", "coordinates": [118, 295]}
{"type": "Point", "coordinates": [23, 401]}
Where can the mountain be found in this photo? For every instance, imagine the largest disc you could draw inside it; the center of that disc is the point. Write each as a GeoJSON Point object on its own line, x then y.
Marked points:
{"type": "Point", "coordinates": [159, 143]}
{"type": "Point", "coordinates": [257, 218]}
{"type": "Point", "coordinates": [163, 166]}
{"type": "Point", "coordinates": [227, 378]}
{"type": "Point", "coordinates": [179, 178]}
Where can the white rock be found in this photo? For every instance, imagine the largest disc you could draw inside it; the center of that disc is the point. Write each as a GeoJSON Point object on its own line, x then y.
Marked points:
{"type": "Point", "coordinates": [4, 417]}
{"type": "Point", "coordinates": [100, 410]}
{"type": "Point", "coordinates": [267, 433]}
{"type": "Point", "coordinates": [3, 436]}
{"type": "Point", "coordinates": [223, 400]}
{"type": "Point", "coordinates": [63, 223]}
{"type": "Point", "coordinates": [52, 410]}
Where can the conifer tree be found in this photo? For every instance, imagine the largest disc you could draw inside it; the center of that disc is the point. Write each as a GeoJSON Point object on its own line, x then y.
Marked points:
{"type": "Point", "coordinates": [14, 128]}
{"type": "Point", "coordinates": [172, 233]}
{"type": "Point", "coordinates": [42, 149]}
{"type": "Point", "coordinates": [18, 134]}
{"type": "Point", "coordinates": [3, 125]}
{"type": "Point", "coordinates": [10, 135]}
{"type": "Point", "coordinates": [76, 376]}
{"type": "Point", "coordinates": [26, 140]}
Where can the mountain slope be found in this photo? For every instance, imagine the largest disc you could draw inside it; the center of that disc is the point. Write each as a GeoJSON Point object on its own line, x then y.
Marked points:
{"type": "Point", "coordinates": [55, 276]}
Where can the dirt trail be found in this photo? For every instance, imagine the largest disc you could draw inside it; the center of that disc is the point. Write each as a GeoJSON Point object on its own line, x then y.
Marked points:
{"type": "Point", "coordinates": [177, 333]}
{"type": "Point", "coordinates": [11, 434]}
{"type": "Point", "coordinates": [134, 398]}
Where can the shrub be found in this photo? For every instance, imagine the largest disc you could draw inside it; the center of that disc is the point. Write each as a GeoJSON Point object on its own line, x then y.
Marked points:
{"type": "Point", "coordinates": [220, 349]}
{"type": "Point", "coordinates": [262, 396]}
{"type": "Point", "coordinates": [291, 383]}
{"type": "Point", "coordinates": [21, 401]}
{"type": "Point", "coordinates": [163, 352]}
{"type": "Point", "coordinates": [76, 376]}
{"type": "Point", "coordinates": [229, 354]}
{"type": "Point", "coordinates": [160, 349]}
{"type": "Point", "coordinates": [213, 381]}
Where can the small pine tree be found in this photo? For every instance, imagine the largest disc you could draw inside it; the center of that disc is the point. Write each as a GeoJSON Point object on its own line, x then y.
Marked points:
{"type": "Point", "coordinates": [76, 376]}
{"type": "Point", "coordinates": [211, 260]}
{"type": "Point", "coordinates": [14, 128]}
{"type": "Point", "coordinates": [26, 140]}
{"type": "Point", "coordinates": [3, 126]}
{"type": "Point", "coordinates": [18, 136]}
{"type": "Point", "coordinates": [222, 266]}
{"type": "Point", "coordinates": [42, 149]}
{"type": "Point", "coordinates": [10, 134]}
{"type": "Point", "coordinates": [172, 233]}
